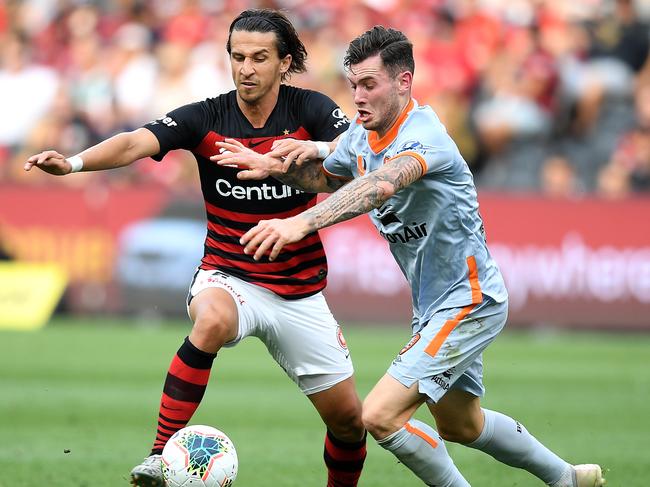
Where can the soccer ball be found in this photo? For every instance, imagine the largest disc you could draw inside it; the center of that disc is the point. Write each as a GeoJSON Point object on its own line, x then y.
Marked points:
{"type": "Point", "coordinates": [199, 456]}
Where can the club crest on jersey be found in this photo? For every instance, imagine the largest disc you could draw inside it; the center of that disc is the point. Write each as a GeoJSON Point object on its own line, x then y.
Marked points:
{"type": "Point", "coordinates": [414, 339]}
{"type": "Point", "coordinates": [341, 338]}
{"type": "Point", "coordinates": [412, 146]}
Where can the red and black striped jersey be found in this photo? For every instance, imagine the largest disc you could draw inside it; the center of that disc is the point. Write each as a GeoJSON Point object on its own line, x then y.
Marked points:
{"type": "Point", "coordinates": [234, 206]}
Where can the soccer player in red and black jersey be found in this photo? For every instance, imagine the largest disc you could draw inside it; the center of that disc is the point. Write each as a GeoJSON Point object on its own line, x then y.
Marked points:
{"type": "Point", "coordinates": [232, 296]}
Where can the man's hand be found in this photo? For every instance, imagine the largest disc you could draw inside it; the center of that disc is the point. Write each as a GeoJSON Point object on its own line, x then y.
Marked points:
{"type": "Point", "coordinates": [49, 161]}
{"type": "Point", "coordinates": [273, 235]}
{"type": "Point", "coordinates": [291, 151]}
{"type": "Point", "coordinates": [233, 153]}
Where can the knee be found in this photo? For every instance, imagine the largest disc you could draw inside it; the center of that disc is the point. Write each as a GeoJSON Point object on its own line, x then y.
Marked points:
{"type": "Point", "coordinates": [346, 424]}
{"type": "Point", "coordinates": [378, 423]}
{"type": "Point", "coordinates": [213, 327]}
{"type": "Point", "coordinates": [464, 433]}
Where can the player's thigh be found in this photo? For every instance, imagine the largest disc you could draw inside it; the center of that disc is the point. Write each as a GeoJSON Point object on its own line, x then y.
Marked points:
{"type": "Point", "coordinates": [307, 342]}
{"type": "Point", "coordinates": [222, 308]}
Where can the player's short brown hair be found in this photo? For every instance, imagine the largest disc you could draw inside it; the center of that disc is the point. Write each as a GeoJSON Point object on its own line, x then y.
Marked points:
{"type": "Point", "coordinates": [394, 48]}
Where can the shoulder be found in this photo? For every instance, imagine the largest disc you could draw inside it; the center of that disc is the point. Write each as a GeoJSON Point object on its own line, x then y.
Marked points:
{"type": "Point", "coordinates": [423, 123]}
{"type": "Point", "coordinates": [207, 110]}
{"type": "Point", "coordinates": [220, 103]}
{"type": "Point", "coordinates": [304, 96]}
{"type": "Point", "coordinates": [423, 113]}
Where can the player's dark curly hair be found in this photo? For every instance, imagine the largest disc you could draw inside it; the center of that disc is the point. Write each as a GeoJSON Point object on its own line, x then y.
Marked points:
{"type": "Point", "coordinates": [287, 40]}
{"type": "Point", "coordinates": [394, 48]}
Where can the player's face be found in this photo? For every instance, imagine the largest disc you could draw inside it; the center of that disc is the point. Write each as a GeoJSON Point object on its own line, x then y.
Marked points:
{"type": "Point", "coordinates": [378, 96]}
{"type": "Point", "coordinates": [256, 67]}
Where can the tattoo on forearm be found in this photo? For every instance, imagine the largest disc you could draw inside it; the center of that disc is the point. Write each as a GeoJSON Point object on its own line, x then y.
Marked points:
{"type": "Point", "coordinates": [308, 177]}
{"type": "Point", "coordinates": [365, 193]}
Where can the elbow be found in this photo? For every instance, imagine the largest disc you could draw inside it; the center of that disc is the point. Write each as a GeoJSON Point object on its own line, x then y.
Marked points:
{"type": "Point", "coordinates": [135, 145]}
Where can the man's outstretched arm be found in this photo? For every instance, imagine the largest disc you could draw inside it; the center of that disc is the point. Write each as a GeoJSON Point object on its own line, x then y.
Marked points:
{"type": "Point", "coordinates": [120, 150]}
{"type": "Point", "coordinates": [354, 199]}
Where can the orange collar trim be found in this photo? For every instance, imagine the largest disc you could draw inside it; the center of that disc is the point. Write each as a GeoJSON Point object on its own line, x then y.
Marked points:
{"type": "Point", "coordinates": [378, 144]}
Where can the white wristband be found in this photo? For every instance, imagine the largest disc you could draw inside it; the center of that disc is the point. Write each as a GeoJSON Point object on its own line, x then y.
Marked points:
{"type": "Point", "coordinates": [323, 149]}
{"type": "Point", "coordinates": [76, 162]}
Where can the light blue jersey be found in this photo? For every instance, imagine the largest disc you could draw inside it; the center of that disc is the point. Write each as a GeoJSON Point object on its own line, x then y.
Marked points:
{"type": "Point", "coordinates": [433, 226]}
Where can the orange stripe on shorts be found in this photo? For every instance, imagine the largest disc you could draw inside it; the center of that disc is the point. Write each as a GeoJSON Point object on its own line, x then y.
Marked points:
{"type": "Point", "coordinates": [441, 336]}
{"type": "Point", "coordinates": [477, 296]}
{"type": "Point", "coordinates": [415, 431]}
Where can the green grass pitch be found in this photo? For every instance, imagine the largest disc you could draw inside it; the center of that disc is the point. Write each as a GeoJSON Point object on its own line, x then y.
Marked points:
{"type": "Point", "coordinates": [78, 405]}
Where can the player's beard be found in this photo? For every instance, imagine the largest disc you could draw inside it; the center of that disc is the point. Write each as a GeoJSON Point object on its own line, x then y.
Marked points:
{"type": "Point", "coordinates": [388, 115]}
{"type": "Point", "coordinates": [254, 97]}
{"type": "Point", "coordinates": [248, 97]}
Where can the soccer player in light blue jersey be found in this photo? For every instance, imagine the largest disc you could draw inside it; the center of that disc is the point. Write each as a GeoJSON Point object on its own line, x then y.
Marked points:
{"type": "Point", "coordinates": [397, 162]}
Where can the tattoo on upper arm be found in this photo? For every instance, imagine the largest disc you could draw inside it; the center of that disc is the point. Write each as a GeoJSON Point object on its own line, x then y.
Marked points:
{"type": "Point", "coordinates": [365, 193]}
{"type": "Point", "coordinates": [400, 172]}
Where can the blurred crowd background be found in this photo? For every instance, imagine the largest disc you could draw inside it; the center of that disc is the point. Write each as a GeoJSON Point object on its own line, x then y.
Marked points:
{"type": "Point", "coordinates": [547, 96]}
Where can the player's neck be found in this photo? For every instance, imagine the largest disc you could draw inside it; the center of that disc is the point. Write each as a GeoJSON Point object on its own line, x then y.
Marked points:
{"type": "Point", "coordinates": [259, 111]}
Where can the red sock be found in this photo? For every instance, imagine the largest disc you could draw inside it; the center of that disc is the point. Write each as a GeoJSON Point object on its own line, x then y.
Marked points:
{"type": "Point", "coordinates": [184, 387]}
{"type": "Point", "coordinates": [344, 461]}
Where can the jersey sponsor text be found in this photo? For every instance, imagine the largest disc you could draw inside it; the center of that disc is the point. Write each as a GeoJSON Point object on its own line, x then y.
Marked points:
{"type": "Point", "coordinates": [408, 233]}
{"type": "Point", "coordinates": [263, 192]}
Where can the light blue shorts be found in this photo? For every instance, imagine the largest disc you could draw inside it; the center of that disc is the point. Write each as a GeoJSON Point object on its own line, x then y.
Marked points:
{"type": "Point", "coordinates": [446, 352]}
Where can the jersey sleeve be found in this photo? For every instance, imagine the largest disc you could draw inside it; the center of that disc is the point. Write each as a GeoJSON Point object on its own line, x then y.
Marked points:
{"type": "Point", "coordinates": [181, 128]}
{"type": "Point", "coordinates": [339, 163]}
{"type": "Point", "coordinates": [324, 119]}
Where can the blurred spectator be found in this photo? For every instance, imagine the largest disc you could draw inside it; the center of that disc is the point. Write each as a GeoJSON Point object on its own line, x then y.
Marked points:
{"type": "Point", "coordinates": [631, 158]}
{"type": "Point", "coordinates": [189, 26]}
{"type": "Point", "coordinates": [516, 82]}
{"type": "Point", "coordinates": [615, 47]}
{"type": "Point", "coordinates": [209, 67]}
{"type": "Point", "coordinates": [135, 76]}
{"type": "Point", "coordinates": [558, 178]}
{"type": "Point", "coordinates": [613, 182]}
{"type": "Point", "coordinates": [27, 90]}
{"type": "Point", "coordinates": [90, 85]}
{"type": "Point", "coordinates": [60, 129]}
{"type": "Point", "coordinates": [519, 93]}
{"type": "Point", "coordinates": [172, 86]}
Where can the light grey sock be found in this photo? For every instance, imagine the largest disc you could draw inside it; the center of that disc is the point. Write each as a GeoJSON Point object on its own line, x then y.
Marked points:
{"type": "Point", "coordinates": [568, 479]}
{"type": "Point", "coordinates": [509, 442]}
{"type": "Point", "coordinates": [421, 449]}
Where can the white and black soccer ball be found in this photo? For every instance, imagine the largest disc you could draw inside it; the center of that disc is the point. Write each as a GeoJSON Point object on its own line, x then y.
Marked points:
{"type": "Point", "coordinates": [199, 456]}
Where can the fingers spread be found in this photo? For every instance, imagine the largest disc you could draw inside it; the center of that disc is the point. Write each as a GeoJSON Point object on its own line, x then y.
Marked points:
{"type": "Point", "coordinates": [254, 174]}
{"type": "Point", "coordinates": [280, 143]}
{"type": "Point", "coordinates": [236, 143]}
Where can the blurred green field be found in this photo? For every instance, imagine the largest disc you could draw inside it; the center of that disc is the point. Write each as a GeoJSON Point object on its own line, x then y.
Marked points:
{"type": "Point", "coordinates": [94, 390]}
